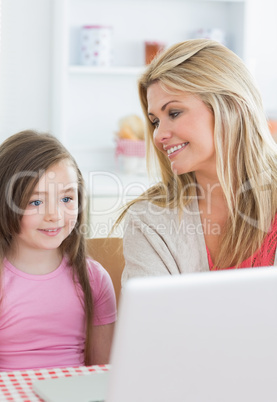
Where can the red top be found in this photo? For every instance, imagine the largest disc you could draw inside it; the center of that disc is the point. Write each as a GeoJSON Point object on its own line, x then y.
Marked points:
{"type": "Point", "coordinates": [263, 257]}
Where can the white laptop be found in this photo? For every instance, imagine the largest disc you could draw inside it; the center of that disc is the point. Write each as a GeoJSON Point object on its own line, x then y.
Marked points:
{"type": "Point", "coordinates": [202, 337]}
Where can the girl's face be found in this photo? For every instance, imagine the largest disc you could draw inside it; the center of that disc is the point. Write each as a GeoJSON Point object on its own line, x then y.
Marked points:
{"type": "Point", "coordinates": [52, 211]}
{"type": "Point", "coordinates": [184, 130]}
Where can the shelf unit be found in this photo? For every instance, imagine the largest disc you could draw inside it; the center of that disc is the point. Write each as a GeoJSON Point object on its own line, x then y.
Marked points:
{"type": "Point", "coordinates": [128, 71]}
{"type": "Point", "coordinates": [89, 101]}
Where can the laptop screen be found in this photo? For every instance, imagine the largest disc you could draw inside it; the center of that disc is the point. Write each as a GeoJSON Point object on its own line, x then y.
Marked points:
{"type": "Point", "coordinates": [197, 337]}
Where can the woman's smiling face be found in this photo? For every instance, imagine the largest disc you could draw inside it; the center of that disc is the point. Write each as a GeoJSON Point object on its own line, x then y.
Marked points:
{"type": "Point", "coordinates": [184, 129]}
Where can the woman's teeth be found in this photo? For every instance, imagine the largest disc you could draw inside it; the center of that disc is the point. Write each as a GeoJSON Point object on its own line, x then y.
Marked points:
{"type": "Point", "coordinates": [173, 149]}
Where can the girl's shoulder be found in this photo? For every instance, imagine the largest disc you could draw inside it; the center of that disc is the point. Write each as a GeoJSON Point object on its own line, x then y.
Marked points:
{"type": "Point", "coordinates": [98, 275]}
{"type": "Point", "coordinates": [100, 280]}
{"type": "Point", "coordinates": [95, 269]}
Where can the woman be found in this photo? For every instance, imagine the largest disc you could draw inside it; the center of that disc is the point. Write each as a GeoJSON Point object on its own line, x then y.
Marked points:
{"type": "Point", "coordinates": [215, 207]}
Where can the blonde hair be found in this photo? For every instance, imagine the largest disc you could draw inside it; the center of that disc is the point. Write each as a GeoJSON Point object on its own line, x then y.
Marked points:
{"type": "Point", "coordinates": [26, 156]}
{"type": "Point", "coordinates": [245, 151]}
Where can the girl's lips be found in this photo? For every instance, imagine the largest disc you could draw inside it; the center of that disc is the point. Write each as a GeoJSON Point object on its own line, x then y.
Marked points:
{"type": "Point", "coordinates": [50, 232]}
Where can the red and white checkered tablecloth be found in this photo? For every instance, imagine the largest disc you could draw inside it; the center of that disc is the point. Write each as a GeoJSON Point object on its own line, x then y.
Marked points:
{"type": "Point", "coordinates": [17, 385]}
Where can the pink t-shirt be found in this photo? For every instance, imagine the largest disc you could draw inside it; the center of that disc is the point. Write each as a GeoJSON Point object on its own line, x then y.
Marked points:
{"type": "Point", "coordinates": [42, 321]}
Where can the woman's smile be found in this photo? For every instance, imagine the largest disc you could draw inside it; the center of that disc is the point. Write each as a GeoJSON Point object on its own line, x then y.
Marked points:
{"type": "Point", "coordinates": [183, 129]}
{"type": "Point", "coordinates": [174, 149]}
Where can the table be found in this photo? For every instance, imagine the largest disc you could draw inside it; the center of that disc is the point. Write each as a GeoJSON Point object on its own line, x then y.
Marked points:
{"type": "Point", "coordinates": [17, 385]}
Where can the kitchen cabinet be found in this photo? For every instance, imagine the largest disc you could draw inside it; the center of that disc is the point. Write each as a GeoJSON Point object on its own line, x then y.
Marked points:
{"type": "Point", "coordinates": [89, 101]}
{"type": "Point", "coordinates": [107, 193]}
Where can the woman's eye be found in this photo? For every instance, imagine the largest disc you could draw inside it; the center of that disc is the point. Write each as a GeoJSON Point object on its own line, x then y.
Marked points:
{"type": "Point", "coordinates": [155, 123]}
{"type": "Point", "coordinates": [36, 203]}
{"type": "Point", "coordinates": [66, 199]}
{"type": "Point", "coordinates": [174, 114]}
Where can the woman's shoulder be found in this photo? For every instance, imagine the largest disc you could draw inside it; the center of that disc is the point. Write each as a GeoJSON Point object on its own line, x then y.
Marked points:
{"type": "Point", "coordinates": [148, 208]}
{"type": "Point", "coordinates": [145, 207]}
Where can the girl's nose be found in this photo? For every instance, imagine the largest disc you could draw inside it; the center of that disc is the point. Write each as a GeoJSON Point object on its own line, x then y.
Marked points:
{"type": "Point", "coordinates": [53, 213]}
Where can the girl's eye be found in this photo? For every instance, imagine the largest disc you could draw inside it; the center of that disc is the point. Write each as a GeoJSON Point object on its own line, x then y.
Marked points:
{"type": "Point", "coordinates": [36, 203]}
{"type": "Point", "coordinates": [66, 199]}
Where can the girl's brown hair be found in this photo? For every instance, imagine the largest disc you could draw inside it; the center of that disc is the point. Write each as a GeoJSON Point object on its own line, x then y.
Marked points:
{"type": "Point", "coordinates": [24, 158]}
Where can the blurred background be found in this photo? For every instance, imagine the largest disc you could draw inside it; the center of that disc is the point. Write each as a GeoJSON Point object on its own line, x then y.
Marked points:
{"type": "Point", "coordinates": [71, 67]}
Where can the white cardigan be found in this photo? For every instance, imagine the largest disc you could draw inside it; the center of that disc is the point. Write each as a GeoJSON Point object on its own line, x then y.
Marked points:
{"type": "Point", "coordinates": [158, 241]}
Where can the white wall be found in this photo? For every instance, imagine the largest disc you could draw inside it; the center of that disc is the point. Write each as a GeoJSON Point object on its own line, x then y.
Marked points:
{"type": "Point", "coordinates": [25, 65]}
{"type": "Point", "coordinates": [261, 49]}
{"type": "Point", "coordinates": [26, 60]}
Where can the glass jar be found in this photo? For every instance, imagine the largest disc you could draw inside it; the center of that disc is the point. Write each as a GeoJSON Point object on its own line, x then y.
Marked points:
{"type": "Point", "coordinates": [96, 48]}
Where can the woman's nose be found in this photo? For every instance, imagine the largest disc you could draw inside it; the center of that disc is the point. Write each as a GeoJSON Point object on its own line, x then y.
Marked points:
{"type": "Point", "coordinates": [162, 133]}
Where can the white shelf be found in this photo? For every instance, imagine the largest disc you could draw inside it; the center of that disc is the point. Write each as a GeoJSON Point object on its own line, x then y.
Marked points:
{"type": "Point", "coordinates": [89, 101]}
{"type": "Point", "coordinates": [115, 70]}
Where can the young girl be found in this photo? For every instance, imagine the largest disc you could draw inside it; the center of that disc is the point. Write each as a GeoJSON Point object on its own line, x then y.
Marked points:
{"type": "Point", "coordinates": [57, 306]}
{"type": "Point", "coordinates": [216, 204]}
